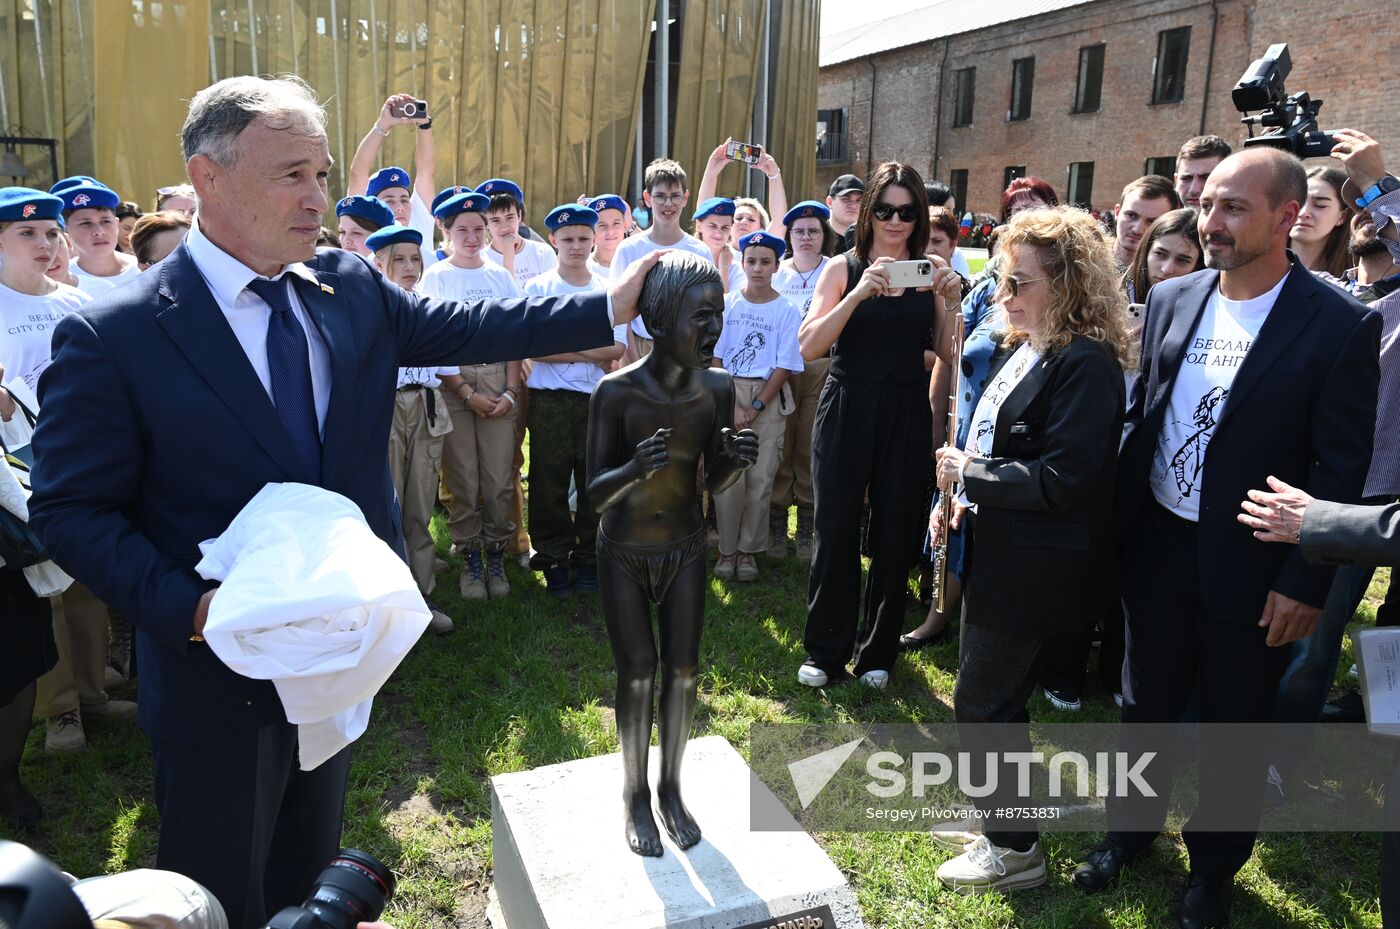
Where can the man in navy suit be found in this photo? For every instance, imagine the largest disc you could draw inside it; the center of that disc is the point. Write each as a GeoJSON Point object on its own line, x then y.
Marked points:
{"type": "Point", "coordinates": [245, 358]}
{"type": "Point", "coordinates": [1250, 368]}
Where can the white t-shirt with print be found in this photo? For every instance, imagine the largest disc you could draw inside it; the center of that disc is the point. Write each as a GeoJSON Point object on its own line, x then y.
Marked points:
{"type": "Point", "coordinates": [446, 281]}
{"type": "Point", "coordinates": [95, 286]}
{"type": "Point", "coordinates": [759, 337]}
{"type": "Point", "coordinates": [581, 376]}
{"type": "Point", "coordinates": [799, 287]}
{"type": "Point", "coordinates": [26, 326]}
{"type": "Point", "coordinates": [423, 377]}
{"type": "Point", "coordinates": [533, 259]}
{"type": "Point", "coordinates": [1213, 357]}
{"type": "Point", "coordinates": [639, 246]}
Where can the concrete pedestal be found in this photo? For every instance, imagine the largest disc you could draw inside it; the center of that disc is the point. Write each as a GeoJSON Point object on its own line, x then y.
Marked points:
{"type": "Point", "coordinates": [561, 861]}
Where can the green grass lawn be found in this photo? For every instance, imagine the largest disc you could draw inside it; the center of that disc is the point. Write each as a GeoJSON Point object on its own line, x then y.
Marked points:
{"type": "Point", "coordinates": [528, 681]}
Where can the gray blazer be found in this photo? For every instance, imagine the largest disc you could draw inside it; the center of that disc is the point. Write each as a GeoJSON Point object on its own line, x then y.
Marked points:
{"type": "Point", "coordinates": [1343, 533]}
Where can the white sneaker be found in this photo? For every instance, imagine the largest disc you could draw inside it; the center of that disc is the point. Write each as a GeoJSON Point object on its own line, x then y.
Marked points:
{"type": "Point", "coordinates": [877, 679]}
{"type": "Point", "coordinates": [984, 867]}
{"type": "Point", "coordinates": [811, 675]}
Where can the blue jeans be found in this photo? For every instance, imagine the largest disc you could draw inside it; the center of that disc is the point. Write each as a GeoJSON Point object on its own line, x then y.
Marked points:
{"type": "Point", "coordinates": [1308, 678]}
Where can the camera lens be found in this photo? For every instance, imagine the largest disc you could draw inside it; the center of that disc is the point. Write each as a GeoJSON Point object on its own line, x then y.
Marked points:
{"type": "Point", "coordinates": [925, 268]}
{"type": "Point", "coordinates": [352, 889]}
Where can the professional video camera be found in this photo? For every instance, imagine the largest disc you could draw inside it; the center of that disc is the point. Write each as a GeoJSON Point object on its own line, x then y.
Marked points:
{"type": "Point", "coordinates": [352, 889]}
{"type": "Point", "coordinates": [1293, 117]}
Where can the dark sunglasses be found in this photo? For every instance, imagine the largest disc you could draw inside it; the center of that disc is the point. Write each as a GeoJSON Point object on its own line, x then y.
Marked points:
{"type": "Point", "coordinates": [907, 213]}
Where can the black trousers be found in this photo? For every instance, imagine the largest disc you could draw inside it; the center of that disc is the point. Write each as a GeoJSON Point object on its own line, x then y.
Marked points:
{"type": "Point", "coordinates": [559, 449]}
{"type": "Point", "coordinates": [242, 819]}
{"type": "Point", "coordinates": [1067, 665]}
{"type": "Point", "coordinates": [997, 673]}
{"type": "Point", "coordinates": [1176, 647]}
{"type": "Point", "coordinates": [875, 437]}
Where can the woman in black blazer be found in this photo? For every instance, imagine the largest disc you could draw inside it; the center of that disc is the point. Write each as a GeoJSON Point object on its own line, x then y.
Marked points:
{"type": "Point", "coordinates": [1039, 468]}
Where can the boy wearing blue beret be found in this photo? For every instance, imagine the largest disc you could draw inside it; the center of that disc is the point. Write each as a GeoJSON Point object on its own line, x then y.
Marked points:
{"type": "Point", "coordinates": [614, 218]}
{"type": "Point", "coordinates": [758, 347]}
{"type": "Point", "coordinates": [525, 258]}
{"type": "Point", "coordinates": [89, 213]}
{"type": "Point", "coordinates": [560, 387]}
{"type": "Point", "coordinates": [478, 454]}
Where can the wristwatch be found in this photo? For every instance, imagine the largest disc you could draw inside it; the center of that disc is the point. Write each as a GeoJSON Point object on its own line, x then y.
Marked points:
{"type": "Point", "coordinates": [1385, 185]}
{"type": "Point", "coordinates": [758, 404]}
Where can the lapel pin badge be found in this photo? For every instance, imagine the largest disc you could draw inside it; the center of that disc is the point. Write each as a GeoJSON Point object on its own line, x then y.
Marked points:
{"type": "Point", "coordinates": [328, 289]}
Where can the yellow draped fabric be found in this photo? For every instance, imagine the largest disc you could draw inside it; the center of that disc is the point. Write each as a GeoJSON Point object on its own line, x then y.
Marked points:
{"type": "Point", "coordinates": [545, 92]}
{"type": "Point", "coordinates": [792, 136]}
{"type": "Point", "coordinates": [720, 46]}
{"type": "Point", "coordinates": [721, 55]}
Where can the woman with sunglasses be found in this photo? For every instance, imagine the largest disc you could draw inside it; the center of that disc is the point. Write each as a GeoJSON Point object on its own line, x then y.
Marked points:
{"type": "Point", "coordinates": [872, 428]}
{"type": "Point", "coordinates": [981, 320]}
{"type": "Point", "coordinates": [1038, 466]}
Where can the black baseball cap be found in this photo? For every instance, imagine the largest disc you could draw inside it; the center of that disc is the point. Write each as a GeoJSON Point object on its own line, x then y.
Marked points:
{"type": "Point", "coordinates": [845, 183]}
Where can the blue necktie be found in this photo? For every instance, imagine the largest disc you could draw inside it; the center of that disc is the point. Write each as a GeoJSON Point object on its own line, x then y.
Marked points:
{"type": "Point", "coordinates": [289, 364]}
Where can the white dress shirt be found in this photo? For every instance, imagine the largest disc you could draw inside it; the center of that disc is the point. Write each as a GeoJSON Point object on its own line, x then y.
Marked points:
{"type": "Point", "coordinates": [248, 315]}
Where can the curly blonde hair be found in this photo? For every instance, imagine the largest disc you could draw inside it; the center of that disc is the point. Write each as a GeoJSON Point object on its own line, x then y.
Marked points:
{"type": "Point", "coordinates": [1086, 298]}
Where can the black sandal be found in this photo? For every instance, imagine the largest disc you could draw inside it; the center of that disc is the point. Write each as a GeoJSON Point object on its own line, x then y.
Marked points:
{"type": "Point", "coordinates": [912, 643]}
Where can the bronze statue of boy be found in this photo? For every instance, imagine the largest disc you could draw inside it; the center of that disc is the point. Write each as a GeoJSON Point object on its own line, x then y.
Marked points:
{"type": "Point", "coordinates": [649, 426]}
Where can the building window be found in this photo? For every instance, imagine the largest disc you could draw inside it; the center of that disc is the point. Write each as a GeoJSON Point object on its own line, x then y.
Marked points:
{"type": "Point", "coordinates": [1090, 87]}
{"type": "Point", "coordinates": [1080, 191]}
{"type": "Point", "coordinates": [1022, 83]}
{"type": "Point", "coordinates": [831, 136]}
{"type": "Point", "coordinates": [1169, 70]}
{"type": "Point", "coordinates": [1011, 173]}
{"type": "Point", "coordinates": [957, 182]}
{"type": "Point", "coordinates": [1165, 166]}
{"type": "Point", "coordinates": [964, 88]}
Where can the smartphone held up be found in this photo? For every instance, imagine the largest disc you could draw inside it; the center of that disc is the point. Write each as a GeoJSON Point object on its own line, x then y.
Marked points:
{"type": "Point", "coordinates": [747, 152]}
{"type": "Point", "coordinates": [410, 109]}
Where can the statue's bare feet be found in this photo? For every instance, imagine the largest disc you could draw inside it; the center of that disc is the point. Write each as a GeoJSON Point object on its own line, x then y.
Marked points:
{"type": "Point", "coordinates": [642, 835]}
{"type": "Point", "coordinates": [676, 818]}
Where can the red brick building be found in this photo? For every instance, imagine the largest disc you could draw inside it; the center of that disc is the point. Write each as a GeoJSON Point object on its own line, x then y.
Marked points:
{"type": "Point", "coordinates": [1087, 94]}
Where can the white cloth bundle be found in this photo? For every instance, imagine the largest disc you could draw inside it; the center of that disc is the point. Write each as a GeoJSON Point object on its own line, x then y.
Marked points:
{"type": "Point", "coordinates": [312, 600]}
